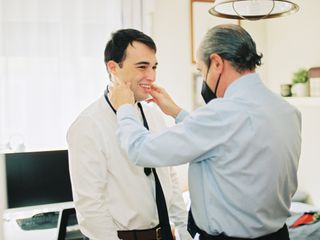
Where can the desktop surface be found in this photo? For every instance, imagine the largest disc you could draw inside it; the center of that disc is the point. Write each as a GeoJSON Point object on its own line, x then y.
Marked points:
{"type": "Point", "coordinates": [40, 229]}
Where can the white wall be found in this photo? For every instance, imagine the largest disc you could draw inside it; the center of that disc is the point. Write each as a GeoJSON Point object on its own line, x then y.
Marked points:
{"type": "Point", "coordinates": [171, 33]}
{"type": "Point", "coordinates": [293, 42]}
{"type": "Point", "coordinates": [287, 44]}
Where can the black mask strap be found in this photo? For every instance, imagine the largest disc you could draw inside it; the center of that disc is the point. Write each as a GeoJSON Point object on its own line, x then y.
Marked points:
{"type": "Point", "coordinates": [217, 84]}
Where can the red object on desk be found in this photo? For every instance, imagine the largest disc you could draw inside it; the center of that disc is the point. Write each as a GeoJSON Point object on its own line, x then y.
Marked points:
{"type": "Point", "coordinates": [306, 218]}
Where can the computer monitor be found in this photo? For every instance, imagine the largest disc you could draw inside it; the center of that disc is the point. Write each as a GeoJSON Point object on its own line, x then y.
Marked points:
{"type": "Point", "coordinates": [37, 178]}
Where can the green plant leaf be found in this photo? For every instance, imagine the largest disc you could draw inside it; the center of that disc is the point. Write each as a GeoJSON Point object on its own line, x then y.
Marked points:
{"type": "Point", "coordinates": [300, 76]}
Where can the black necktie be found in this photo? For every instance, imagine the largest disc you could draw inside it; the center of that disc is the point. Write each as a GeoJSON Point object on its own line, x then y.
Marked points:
{"type": "Point", "coordinates": [160, 200]}
{"type": "Point", "coordinates": [192, 227]}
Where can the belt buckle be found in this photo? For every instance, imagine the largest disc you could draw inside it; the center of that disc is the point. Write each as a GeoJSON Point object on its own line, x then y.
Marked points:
{"type": "Point", "coordinates": [158, 233]}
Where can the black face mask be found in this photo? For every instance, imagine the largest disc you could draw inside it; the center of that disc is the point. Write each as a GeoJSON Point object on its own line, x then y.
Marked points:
{"type": "Point", "coordinates": [206, 92]}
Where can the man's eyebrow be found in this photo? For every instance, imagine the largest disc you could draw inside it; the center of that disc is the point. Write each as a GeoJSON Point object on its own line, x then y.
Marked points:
{"type": "Point", "coordinates": [142, 63]}
{"type": "Point", "coordinates": [145, 63]}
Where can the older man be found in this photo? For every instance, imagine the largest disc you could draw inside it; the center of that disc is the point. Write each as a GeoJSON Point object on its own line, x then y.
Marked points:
{"type": "Point", "coordinates": [243, 146]}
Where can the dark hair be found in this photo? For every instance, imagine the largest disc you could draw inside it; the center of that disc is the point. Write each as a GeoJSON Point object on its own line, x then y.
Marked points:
{"type": "Point", "coordinates": [116, 47]}
{"type": "Point", "coordinates": [232, 43]}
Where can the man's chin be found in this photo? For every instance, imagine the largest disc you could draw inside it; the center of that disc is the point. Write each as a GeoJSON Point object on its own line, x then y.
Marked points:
{"type": "Point", "coordinates": [142, 97]}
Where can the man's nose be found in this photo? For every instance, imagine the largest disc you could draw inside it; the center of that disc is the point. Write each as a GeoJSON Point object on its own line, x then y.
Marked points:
{"type": "Point", "coordinates": [151, 75]}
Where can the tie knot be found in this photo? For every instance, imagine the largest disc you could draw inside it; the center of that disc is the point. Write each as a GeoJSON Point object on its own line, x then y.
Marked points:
{"type": "Point", "coordinates": [147, 171]}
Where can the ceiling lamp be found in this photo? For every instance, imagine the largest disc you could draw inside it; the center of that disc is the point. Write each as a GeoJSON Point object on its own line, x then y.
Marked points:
{"type": "Point", "coordinates": [252, 9]}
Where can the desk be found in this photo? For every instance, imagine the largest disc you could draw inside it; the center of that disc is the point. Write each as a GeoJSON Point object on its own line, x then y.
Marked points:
{"type": "Point", "coordinates": [12, 231]}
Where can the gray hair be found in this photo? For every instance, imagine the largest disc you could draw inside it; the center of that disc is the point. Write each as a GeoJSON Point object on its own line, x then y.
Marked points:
{"type": "Point", "coordinates": [233, 43]}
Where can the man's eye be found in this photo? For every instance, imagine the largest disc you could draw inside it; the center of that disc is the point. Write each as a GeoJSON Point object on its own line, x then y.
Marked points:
{"type": "Point", "coordinates": [154, 67]}
{"type": "Point", "coordinates": [142, 67]}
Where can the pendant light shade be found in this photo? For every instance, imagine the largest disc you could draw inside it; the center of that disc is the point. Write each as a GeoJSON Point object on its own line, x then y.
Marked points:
{"type": "Point", "coordinates": [252, 9]}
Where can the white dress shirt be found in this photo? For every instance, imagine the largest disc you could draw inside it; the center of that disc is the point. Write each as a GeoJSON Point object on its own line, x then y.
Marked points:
{"type": "Point", "coordinates": [111, 193]}
{"type": "Point", "coordinates": [243, 151]}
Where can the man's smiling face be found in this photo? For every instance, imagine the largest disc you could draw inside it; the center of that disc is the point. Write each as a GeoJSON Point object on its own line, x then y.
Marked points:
{"type": "Point", "coordinates": [138, 68]}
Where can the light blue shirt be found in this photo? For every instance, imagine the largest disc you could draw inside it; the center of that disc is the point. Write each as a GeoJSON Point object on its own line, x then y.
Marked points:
{"type": "Point", "coordinates": [243, 151]}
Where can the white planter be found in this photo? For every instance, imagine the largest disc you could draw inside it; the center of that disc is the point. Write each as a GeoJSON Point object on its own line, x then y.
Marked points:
{"type": "Point", "coordinates": [300, 90]}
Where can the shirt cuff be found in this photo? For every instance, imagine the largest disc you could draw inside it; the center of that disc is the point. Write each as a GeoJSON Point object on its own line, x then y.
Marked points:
{"type": "Point", "coordinates": [181, 115]}
{"type": "Point", "coordinates": [124, 111]}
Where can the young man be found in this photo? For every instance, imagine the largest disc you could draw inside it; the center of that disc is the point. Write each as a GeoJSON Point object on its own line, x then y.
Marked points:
{"type": "Point", "coordinates": [243, 145]}
{"type": "Point", "coordinates": [115, 199]}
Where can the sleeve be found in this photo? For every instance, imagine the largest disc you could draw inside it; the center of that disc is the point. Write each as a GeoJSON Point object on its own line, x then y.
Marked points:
{"type": "Point", "coordinates": [178, 210]}
{"type": "Point", "coordinates": [190, 140]}
{"type": "Point", "coordinates": [88, 174]}
{"type": "Point", "coordinates": [182, 114]}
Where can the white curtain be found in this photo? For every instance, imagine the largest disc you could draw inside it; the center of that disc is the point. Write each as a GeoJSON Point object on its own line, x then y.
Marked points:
{"type": "Point", "coordinates": [51, 63]}
{"type": "Point", "coordinates": [51, 66]}
{"type": "Point", "coordinates": [138, 14]}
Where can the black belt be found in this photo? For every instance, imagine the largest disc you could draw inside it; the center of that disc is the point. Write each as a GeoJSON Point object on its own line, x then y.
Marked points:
{"type": "Point", "coordinates": [281, 234]}
{"type": "Point", "coordinates": [146, 234]}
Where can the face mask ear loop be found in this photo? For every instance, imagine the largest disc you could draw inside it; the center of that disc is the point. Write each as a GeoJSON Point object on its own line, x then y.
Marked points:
{"type": "Point", "coordinates": [209, 65]}
{"type": "Point", "coordinates": [216, 89]}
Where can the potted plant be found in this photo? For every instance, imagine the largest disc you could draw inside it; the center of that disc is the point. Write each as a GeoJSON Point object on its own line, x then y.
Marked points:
{"type": "Point", "coordinates": [300, 80]}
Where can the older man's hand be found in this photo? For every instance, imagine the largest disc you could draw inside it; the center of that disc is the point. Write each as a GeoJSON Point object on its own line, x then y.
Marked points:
{"type": "Point", "coordinates": [120, 93]}
{"type": "Point", "coordinates": [164, 101]}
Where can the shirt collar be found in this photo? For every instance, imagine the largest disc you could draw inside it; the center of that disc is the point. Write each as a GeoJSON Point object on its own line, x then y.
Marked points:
{"type": "Point", "coordinates": [241, 85]}
{"type": "Point", "coordinates": [110, 105]}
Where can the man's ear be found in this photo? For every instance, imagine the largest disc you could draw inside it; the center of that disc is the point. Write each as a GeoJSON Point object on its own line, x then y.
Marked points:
{"type": "Point", "coordinates": [111, 66]}
{"type": "Point", "coordinates": [217, 61]}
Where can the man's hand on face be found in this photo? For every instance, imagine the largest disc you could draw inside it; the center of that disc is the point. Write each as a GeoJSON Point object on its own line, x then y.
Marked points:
{"type": "Point", "coordinates": [164, 101]}
{"type": "Point", "coordinates": [120, 94]}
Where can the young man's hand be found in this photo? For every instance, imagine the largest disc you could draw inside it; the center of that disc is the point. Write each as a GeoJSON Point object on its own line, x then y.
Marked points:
{"type": "Point", "coordinates": [120, 93]}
